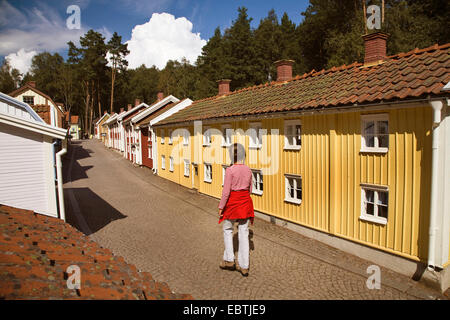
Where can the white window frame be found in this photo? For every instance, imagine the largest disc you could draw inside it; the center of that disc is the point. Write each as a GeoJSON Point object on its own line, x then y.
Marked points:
{"type": "Point", "coordinates": [257, 175]}
{"type": "Point", "coordinates": [205, 170]}
{"type": "Point", "coordinates": [376, 190]}
{"type": "Point", "coordinates": [163, 162]}
{"type": "Point", "coordinates": [255, 138]}
{"type": "Point", "coordinates": [171, 164]}
{"type": "Point", "coordinates": [187, 166]}
{"type": "Point", "coordinates": [162, 136]}
{"type": "Point", "coordinates": [170, 137]}
{"type": "Point", "coordinates": [227, 138]}
{"type": "Point", "coordinates": [150, 151]}
{"type": "Point", "coordinates": [224, 168]}
{"type": "Point", "coordinates": [287, 196]}
{"type": "Point", "coordinates": [207, 138]}
{"type": "Point", "coordinates": [28, 97]}
{"type": "Point", "coordinates": [287, 144]}
{"type": "Point", "coordinates": [376, 118]}
{"type": "Point", "coordinates": [186, 135]}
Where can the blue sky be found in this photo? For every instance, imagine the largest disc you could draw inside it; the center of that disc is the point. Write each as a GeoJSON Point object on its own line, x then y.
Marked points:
{"type": "Point", "coordinates": [28, 27]}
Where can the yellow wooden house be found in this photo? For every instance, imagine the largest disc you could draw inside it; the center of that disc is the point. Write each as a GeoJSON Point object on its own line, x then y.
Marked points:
{"type": "Point", "coordinates": [356, 156]}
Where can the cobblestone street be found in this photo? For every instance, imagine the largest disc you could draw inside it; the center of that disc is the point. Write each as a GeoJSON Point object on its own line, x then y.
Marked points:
{"type": "Point", "coordinates": [172, 232]}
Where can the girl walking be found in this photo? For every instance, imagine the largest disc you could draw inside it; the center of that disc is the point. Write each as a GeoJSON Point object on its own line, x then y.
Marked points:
{"type": "Point", "coordinates": [236, 206]}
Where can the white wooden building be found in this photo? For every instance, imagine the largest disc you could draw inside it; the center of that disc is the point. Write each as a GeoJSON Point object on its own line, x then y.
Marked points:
{"type": "Point", "coordinates": [28, 157]}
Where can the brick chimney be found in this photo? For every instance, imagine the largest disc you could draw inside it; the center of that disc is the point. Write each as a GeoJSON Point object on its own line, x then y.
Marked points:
{"type": "Point", "coordinates": [284, 69]}
{"type": "Point", "coordinates": [32, 84]}
{"type": "Point", "coordinates": [160, 96]}
{"type": "Point", "coordinates": [137, 102]}
{"type": "Point", "coordinates": [375, 47]}
{"type": "Point", "coordinates": [130, 106]}
{"type": "Point", "coordinates": [224, 86]}
{"type": "Point", "coordinates": [122, 110]}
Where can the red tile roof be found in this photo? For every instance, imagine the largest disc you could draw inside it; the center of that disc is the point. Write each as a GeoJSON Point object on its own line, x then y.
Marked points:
{"type": "Point", "coordinates": [74, 119]}
{"type": "Point", "coordinates": [36, 250]}
{"type": "Point", "coordinates": [410, 75]}
{"type": "Point", "coordinates": [43, 111]}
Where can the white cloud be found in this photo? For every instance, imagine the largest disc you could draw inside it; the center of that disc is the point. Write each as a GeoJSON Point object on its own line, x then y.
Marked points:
{"type": "Point", "coordinates": [38, 28]}
{"type": "Point", "coordinates": [21, 60]}
{"type": "Point", "coordinates": [161, 39]}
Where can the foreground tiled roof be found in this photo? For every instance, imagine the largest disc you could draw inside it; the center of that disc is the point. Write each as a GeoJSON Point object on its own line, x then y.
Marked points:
{"type": "Point", "coordinates": [411, 75]}
{"type": "Point", "coordinates": [35, 252]}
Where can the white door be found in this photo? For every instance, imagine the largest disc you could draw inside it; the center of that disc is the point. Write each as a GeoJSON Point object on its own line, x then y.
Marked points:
{"type": "Point", "coordinates": [22, 170]}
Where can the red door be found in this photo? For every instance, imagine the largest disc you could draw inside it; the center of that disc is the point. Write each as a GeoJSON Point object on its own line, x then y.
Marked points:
{"type": "Point", "coordinates": [146, 145]}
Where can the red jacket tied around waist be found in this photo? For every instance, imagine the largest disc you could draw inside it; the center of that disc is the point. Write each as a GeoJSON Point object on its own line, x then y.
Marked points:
{"type": "Point", "coordinates": [236, 201]}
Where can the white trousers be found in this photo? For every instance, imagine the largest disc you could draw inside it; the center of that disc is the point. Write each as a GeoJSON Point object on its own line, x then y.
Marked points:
{"type": "Point", "coordinates": [243, 252]}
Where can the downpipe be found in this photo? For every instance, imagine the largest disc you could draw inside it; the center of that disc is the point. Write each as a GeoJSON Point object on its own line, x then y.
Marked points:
{"type": "Point", "coordinates": [437, 107]}
{"type": "Point", "coordinates": [62, 212]}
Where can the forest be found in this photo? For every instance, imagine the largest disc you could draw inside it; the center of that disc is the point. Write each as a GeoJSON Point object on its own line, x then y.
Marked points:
{"type": "Point", "coordinates": [329, 35]}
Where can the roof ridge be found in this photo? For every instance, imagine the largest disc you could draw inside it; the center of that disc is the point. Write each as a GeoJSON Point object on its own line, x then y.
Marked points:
{"type": "Point", "coordinates": [433, 47]}
{"type": "Point", "coordinates": [314, 73]}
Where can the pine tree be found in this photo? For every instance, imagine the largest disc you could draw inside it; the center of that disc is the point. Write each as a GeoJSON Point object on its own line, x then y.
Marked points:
{"type": "Point", "coordinates": [117, 52]}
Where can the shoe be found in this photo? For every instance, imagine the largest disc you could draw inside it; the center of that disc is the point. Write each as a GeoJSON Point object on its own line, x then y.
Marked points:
{"type": "Point", "coordinates": [227, 265]}
{"type": "Point", "coordinates": [244, 272]}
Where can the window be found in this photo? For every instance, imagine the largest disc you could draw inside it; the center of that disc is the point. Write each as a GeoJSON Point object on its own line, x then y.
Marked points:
{"type": "Point", "coordinates": [374, 203]}
{"type": "Point", "coordinates": [170, 137]}
{"type": "Point", "coordinates": [375, 133]}
{"type": "Point", "coordinates": [226, 136]}
{"type": "Point", "coordinates": [292, 135]}
{"type": "Point", "coordinates": [28, 99]}
{"type": "Point", "coordinates": [207, 137]}
{"type": "Point", "coordinates": [255, 135]}
{"type": "Point", "coordinates": [150, 152]}
{"type": "Point", "coordinates": [185, 138]}
{"type": "Point", "coordinates": [171, 164]}
{"type": "Point", "coordinates": [208, 173]}
{"type": "Point", "coordinates": [186, 168]}
{"type": "Point", "coordinates": [163, 162]}
{"type": "Point", "coordinates": [224, 169]}
{"type": "Point", "coordinates": [162, 136]}
{"type": "Point", "coordinates": [293, 192]}
{"type": "Point", "coordinates": [257, 182]}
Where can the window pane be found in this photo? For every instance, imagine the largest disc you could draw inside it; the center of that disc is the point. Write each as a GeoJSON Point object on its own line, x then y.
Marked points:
{"type": "Point", "coordinates": [383, 127]}
{"type": "Point", "coordinates": [299, 194]}
{"type": "Point", "coordinates": [383, 211]}
{"type": "Point", "coordinates": [289, 131]}
{"type": "Point", "coordinates": [298, 136]}
{"type": "Point", "coordinates": [382, 198]}
{"type": "Point", "coordinates": [383, 141]}
{"type": "Point", "coordinates": [369, 209]}
{"type": "Point", "coordinates": [370, 196]}
{"type": "Point", "coordinates": [369, 127]}
{"type": "Point", "coordinates": [369, 141]}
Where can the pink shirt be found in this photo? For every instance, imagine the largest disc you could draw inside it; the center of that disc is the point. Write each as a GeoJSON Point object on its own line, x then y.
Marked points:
{"type": "Point", "coordinates": [237, 177]}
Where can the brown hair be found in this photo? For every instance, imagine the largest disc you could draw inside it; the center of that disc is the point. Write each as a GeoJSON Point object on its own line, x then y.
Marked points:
{"type": "Point", "coordinates": [237, 152]}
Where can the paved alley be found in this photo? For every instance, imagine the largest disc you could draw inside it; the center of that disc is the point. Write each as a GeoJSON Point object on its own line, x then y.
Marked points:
{"type": "Point", "coordinates": [172, 233]}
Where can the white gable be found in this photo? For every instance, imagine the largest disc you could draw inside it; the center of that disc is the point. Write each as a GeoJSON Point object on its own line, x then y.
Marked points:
{"type": "Point", "coordinates": [15, 108]}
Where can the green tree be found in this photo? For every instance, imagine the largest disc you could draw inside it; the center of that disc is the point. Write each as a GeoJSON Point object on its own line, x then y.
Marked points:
{"type": "Point", "coordinates": [143, 83]}
{"type": "Point", "coordinates": [90, 61]}
{"type": "Point", "coordinates": [268, 38]}
{"type": "Point", "coordinates": [239, 52]}
{"type": "Point", "coordinates": [117, 51]}
{"type": "Point", "coordinates": [9, 77]}
{"type": "Point", "coordinates": [44, 69]}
